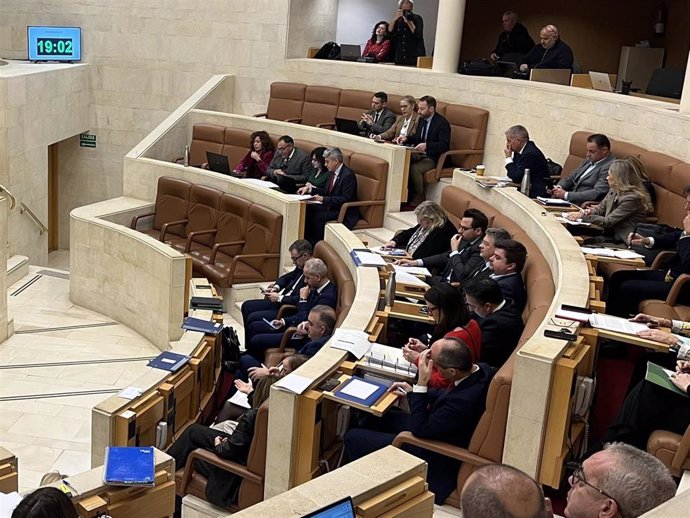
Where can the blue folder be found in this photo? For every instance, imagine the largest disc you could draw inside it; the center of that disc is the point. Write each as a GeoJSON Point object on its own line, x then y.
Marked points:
{"type": "Point", "coordinates": [203, 326]}
{"type": "Point", "coordinates": [381, 389]}
{"type": "Point", "coordinates": [169, 361]}
{"type": "Point", "coordinates": [129, 466]}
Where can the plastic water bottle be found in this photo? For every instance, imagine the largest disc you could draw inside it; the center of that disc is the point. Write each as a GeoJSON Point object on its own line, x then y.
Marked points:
{"type": "Point", "coordinates": [390, 289]}
{"type": "Point", "coordinates": [186, 156]}
{"type": "Point", "coordinates": [526, 184]}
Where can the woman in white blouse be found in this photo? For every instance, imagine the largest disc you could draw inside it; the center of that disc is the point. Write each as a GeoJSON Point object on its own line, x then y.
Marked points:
{"type": "Point", "coordinates": [405, 124]}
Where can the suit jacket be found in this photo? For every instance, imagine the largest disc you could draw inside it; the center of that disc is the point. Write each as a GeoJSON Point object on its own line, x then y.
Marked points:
{"type": "Point", "coordinates": [386, 120]}
{"type": "Point", "coordinates": [394, 130]}
{"type": "Point", "coordinates": [313, 346]}
{"type": "Point", "coordinates": [437, 136]}
{"type": "Point", "coordinates": [592, 187]}
{"type": "Point", "coordinates": [437, 242]}
{"type": "Point", "coordinates": [327, 296]}
{"type": "Point", "coordinates": [459, 265]}
{"type": "Point", "coordinates": [482, 271]}
{"type": "Point", "coordinates": [560, 56]}
{"type": "Point", "coordinates": [619, 214]}
{"type": "Point", "coordinates": [292, 281]}
{"type": "Point", "coordinates": [533, 159]}
{"type": "Point", "coordinates": [513, 288]}
{"type": "Point", "coordinates": [501, 331]}
{"type": "Point", "coordinates": [298, 166]}
{"type": "Point", "coordinates": [517, 41]}
{"type": "Point", "coordinates": [449, 416]}
{"type": "Point", "coordinates": [344, 190]}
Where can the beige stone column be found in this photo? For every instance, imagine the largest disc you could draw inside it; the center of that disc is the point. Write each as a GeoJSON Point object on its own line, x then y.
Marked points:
{"type": "Point", "coordinates": [451, 17]}
{"type": "Point", "coordinates": [685, 96]}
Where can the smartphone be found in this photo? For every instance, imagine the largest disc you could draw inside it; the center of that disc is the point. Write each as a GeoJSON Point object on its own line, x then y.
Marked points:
{"type": "Point", "coordinates": [560, 335]}
{"type": "Point", "coordinates": [270, 323]}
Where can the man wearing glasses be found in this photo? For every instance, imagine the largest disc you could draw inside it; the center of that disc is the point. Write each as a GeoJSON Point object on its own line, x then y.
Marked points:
{"type": "Point", "coordinates": [290, 163]}
{"type": "Point", "coordinates": [619, 481]}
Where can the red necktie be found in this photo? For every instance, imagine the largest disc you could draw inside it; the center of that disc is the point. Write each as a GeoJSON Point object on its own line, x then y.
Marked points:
{"type": "Point", "coordinates": [330, 184]}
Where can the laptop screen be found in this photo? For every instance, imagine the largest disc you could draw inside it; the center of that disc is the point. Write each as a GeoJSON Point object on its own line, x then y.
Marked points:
{"type": "Point", "coordinates": [341, 509]}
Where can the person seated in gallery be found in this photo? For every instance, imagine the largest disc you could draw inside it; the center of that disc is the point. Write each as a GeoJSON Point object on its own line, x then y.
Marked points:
{"type": "Point", "coordinates": [379, 45]}
{"type": "Point", "coordinates": [624, 206]}
{"type": "Point", "coordinates": [522, 154]}
{"type": "Point", "coordinates": [507, 264]}
{"type": "Point", "coordinates": [341, 188]}
{"type": "Point", "coordinates": [290, 166]}
{"type": "Point", "coordinates": [320, 175]}
{"type": "Point", "coordinates": [405, 124]}
{"type": "Point", "coordinates": [486, 252]}
{"type": "Point", "coordinates": [514, 41]}
{"type": "Point", "coordinates": [255, 163]}
{"type": "Point", "coordinates": [431, 234]}
{"type": "Point", "coordinates": [437, 414]}
{"type": "Point", "coordinates": [550, 52]}
{"type": "Point", "coordinates": [500, 321]}
{"type": "Point", "coordinates": [379, 119]}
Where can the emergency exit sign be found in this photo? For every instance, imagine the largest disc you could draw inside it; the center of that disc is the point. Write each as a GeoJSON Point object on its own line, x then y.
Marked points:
{"type": "Point", "coordinates": [87, 140]}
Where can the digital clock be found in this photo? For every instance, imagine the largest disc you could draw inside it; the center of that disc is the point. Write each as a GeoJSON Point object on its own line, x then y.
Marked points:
{"type": "Point", "coordinates": [54, 43]}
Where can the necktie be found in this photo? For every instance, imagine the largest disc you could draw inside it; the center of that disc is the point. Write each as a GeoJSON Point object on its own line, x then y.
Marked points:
{"type": "Point", "coordinates": [376, 117]}
{"type": "Point", "coordinates": [331, 183]}
{"type": "Point", "coordinates": [425, 125]}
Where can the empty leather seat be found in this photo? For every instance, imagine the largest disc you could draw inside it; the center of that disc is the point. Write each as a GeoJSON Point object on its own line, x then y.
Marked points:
{"type": "Point", "coordinates": [353, 103]}
{"type": "Point", "coordinates": [372, 179]}
{"type": "Point", "coordinates": [320, 105]}
{"type": "Point", "coordinates": [236, 144]}
{"type": "Point", "coordinates": [205, 137]}
{"type": "Point", "coordinates": [202, 215]}
{"type": "Point", "coordinates": [170, 211]}
{"type": "Point", "coordinates": [285, 102]}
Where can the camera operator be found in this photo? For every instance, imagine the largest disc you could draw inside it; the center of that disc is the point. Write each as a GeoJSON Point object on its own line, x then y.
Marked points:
{"type": "Point", "coordinates": [407, 34]}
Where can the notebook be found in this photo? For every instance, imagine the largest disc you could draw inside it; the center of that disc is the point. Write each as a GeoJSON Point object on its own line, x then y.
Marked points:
{"type": "Point", "coordinates": [169, 361]}
{"type": "Point", "coordinates": [358, 390]}
{"type": "Point", "coordinates": [203, 326]}
{"type": "Point", "coordinates": [129, 466]}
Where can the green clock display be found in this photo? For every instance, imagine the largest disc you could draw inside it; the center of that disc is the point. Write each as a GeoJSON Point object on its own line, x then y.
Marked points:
{"type": "Point", "coordinates": [54, 46]}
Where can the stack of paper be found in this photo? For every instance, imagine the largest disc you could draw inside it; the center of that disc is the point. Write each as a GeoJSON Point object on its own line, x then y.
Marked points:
{"type": "Point", "coordinates": [553, 201]}
{"type": "Point", "coordinates": [355, 342]}
{"type": "Point", "coordinates": [364, 258]}
{"type": "Point", "coordinates": [389, 359]}
{"type": "Point", "coordinates": [610, 252]}
{"type": "Point", "coordinates": [616, 324]}
{"type": "Point", "coordinates": [402, 277]}
{"type": "Point", "coordinates": [260, 183]}
{"type": "Point", "coordinates": [569, 222]}
{"type": "Point", "coordinates": [412, 270]}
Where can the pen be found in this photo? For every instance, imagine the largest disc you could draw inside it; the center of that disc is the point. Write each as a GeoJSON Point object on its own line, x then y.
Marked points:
{"type": "Point", "coordinates": [69, 486]}
{"type": "Point", "coordinates": [631, 237]}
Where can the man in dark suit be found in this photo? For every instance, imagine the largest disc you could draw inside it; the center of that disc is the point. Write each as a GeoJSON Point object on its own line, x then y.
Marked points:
{"type": "Point", "coordinates": [550, 52]}
{"type": "Point", "coordinates": [486, 251]}
{"type": "Point", "coordinates": [290, 165]}
{"type": "Point", "coordinates": [588, 181]}
{"type": "Point", "coordinates": [514, 39]}
{"type": "Point", "coordinates": [507, 263]}
{"type": "Point", "coordinates": [430, 141]}
{"type": "Point", "coordinates": [463, 256]}
{"type": "Point", "coordinates": [317, 290]}
{"type": "Point", "coordinates": [284, 291]}
{"type": "Point", "coordinates": [498, 318]}
{"type": "Point", "coordinates": [341, 188]}
{"type": "Point", "coordinates": [379, 118]}
{"type": "Point", "coordinates": [522, 154]}
{"type": "Point", "coordinates": [448, 415]}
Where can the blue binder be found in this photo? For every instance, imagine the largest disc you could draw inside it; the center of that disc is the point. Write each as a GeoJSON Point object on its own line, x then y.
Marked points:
{"type": "Point", "coordinates": [129, 466]}
{"type": "Point", "coordinates": [203, 326]}
{"type": "Point", "coordinates": [169, 361]}
{"type": "Point", "coordinates": [381, 389]}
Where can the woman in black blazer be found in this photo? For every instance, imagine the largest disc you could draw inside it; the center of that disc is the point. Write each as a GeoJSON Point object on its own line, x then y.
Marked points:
{"type": "Point", "coordinates": [430, 236]}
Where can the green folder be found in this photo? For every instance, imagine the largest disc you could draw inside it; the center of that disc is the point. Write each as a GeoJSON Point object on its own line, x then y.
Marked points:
{"type": "Point", "coordinates": [657, 375]}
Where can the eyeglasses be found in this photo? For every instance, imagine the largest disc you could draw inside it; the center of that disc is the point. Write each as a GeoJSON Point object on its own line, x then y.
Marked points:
{"type": "Point", "coordinates": [294, 259]}
{"type": "Point", "coordinates": [462, 228]}
{"type": "Point", "coordinates": [579, 476]}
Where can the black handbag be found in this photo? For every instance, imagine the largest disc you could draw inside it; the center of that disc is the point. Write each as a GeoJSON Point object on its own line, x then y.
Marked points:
{"type": "Point", "coordinates": [230, 344]}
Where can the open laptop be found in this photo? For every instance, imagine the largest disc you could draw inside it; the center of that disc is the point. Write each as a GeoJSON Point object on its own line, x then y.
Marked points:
{"type": "Point", "coordinates": [601, 81]}
{"type": "Point", "coordinates": [507, 68]}
{"type": "Point", "coordinates": [341, 509]}
{"type": "Point", "coordinates": [350, 52]}
{"type": "Point", "coordinates": [219, 164]}
{"type": "Point", "coordinates": [346, 126]}
{"type": "Point", "coordinates": [557, 76]}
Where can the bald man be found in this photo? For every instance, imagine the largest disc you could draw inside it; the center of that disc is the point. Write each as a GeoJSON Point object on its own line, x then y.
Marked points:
{"type": "Point", "coordinates": [500, 491]}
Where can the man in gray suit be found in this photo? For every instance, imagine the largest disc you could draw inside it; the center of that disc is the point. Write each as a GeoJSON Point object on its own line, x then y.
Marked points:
{"type": "Point", "coordinates": [290, 166]}
{"type": "Point", "coordinates": [379, 118]}
{"type": "Point", "coordinates": [588, 181]}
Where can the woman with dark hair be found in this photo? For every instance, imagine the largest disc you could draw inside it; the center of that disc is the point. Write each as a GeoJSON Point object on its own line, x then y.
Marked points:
{"type": "Point", "coordinates": [320, 174]}
{"type": "Point", "coordinates": [258, 158]}
{"type": "Point", "coordinates": [446, 305]}
{"type": "Point", "coordinates": [379, 45]}
{"type": "Point", "coordinates": [45, 502]}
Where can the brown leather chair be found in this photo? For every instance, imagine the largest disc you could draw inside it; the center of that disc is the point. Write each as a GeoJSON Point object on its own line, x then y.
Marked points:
{"type": "Point", "coordinates": [353, 103]}
{"type": "Point", "coordinates": [372, 177]}
{"type": "Point", "coordinates": [467, 135]}
{"type": "Point", "coordinates": [260, 255]}
{"type": "Point", "coordinates": [669, 308]}
{"type": "Point", "coordinates": [189, 482]}
{"type": "Point", "coordinates": [236, 145]}
{"type": "Point", "coordinates": [672, 449]}
{"type": "Point", "coordinates": [205, 137]}
{"type": "Point", "coordinates": [285, 102]}
{"type": "Point", "coordinates": [455, 201]}
{"type": "Point", "coordinates": [320, 105]}
{"type": "Point", "coordinates": [170, 211]}
{"type": "Point", "coordinates": [202, 214]}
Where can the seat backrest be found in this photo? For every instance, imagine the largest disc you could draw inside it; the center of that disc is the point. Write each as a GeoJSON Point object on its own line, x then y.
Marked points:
{"type": "Point", "coordinates": [236, 144]}
{"type": "Point", "coordinates": [467, 131]}
{"type": "Point", "coordinates": [394, 103]}
{"type": "Point", "coordinates": [205, 137]}
{"type": "Point", "coordinates": [263, 237]}
{"type": "Point", "coordinates": [353, 103]}
{"type": "Point", "coordinates": [251, 493]}
{"type": "Point", "coordinates": [232, 221]}
{"type": "Point", "coordinates": [455, 201]}
{"type": "Point", "coordinates": [339, 273]}
{"type": "Point", "coordinates": [204, 207]}
{"type": "Point", "coordinates": [286, 101]}
{"type": "Point", "coordinates": [372, 176]}
{"type": "Point", "coordinates": [666, 82]}
{"type": "Point", "coordinates": [320, 105]}
{"type": "Point", "coordinates": [172, 201]}
{"type": "Point", "coordinates": [306, 145]}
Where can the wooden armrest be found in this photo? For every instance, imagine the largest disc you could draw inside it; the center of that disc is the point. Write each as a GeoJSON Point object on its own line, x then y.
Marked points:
{"type": "Point", "coordinates": [329, 125]}
{"type": "Point", "coordinates": [662, 259]}
{"type": "Point", "coordinates": [449, 450]}
{"type": "Point", "coordinates": [683, 450]}
{"type": "Point", "coordinates": [233, 264]}
{"type": "Point", "coordinates": [213, 459]}
{"type": "Point", "coordinates": [454, 152]}
{"type": "Point", "coordinates": [285, 309]}
{"type": "Point", "coordinates": [136, 219]}
{"type": "Point", "coordinates": [192, 235]}
{"type": "Point", "coordinates": [264, 114]}
{"type": "Point", "coordinates": [165, 227]}
{"type": "Point", "coordinates": [676, 289]}
{"type": "Point", "coordinates": [218, 246]}
{"type": "Point", "coordinates": [651, 219]}
{"type": "Point", "coordinates": [362, 203]}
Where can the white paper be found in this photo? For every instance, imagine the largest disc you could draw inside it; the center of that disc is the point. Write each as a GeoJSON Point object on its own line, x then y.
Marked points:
{"type": "Point", "coordinates": [260, 183]}
{"type": "Point", "coordinates": [389, 251]}
{"type": "Point", "coordinates": [240, 399]}
{"type": "Point", "coordinates": [413, 270]}
{"type": "Point", "coordinates": [553, 201]}
{"type": "Point", "coordinates": [569, 222]}
{"type": "Point", "coordinates": [572, 315]}
{"type": "Point", "coordinates": [8, 502]}
{"type": "Point", "coordinates": [299, 197]}
{"type": "Point", "coordinates": [369, 259]}
{"type": "Point", "coordinates": [355, 342]}
{"type": "Point", "coordinates": [168, 360]}
{"type": "Point", "coordinates": [617, 324]}
{"type": "Point", "coordinates": [601, 252]}
{"type": "Point", "coordinates": [359, 389]}
{"type": "Point", "coordinates": [402, 277]}
{"type": "Point", "coordinates": [294, 383]}
{"type": "Point", "coordinates": [627, 254]}
{"type": "Point", "coordinates": [130, 393]}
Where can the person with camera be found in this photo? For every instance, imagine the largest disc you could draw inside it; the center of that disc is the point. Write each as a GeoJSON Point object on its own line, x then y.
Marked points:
{"type": "Point", "coordinates": [407, 34]}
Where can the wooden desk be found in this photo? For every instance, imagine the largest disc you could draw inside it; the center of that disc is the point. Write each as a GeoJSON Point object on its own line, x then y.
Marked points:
{"type": "Point", "coordinates": [408, 311]}
{"type": "Point", "coordinates": [378, 409]}
{"type": "Point", "coordinates": [9, 480]}
{"type": "Point", "coordinates": [632, 340]}
{"type": "Point", "coordinates": [655, 97]}
{"type": "Point", "coordinates": [638, 263]}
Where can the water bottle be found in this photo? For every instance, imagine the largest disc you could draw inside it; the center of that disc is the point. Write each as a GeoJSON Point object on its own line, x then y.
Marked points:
{"type": "Point", "coordinates": [186, 156]}
{"type": "Point", "coordinates": [526, 184]}
{"type": "Point", "coordinates": [682, 351]}
{"type": "Point", "coordinates": [390, 289]}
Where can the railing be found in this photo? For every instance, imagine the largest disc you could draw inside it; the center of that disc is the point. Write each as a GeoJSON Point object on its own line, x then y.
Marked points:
{"type": "Point", "coordinates": [12, 198]}
{"type": "Point", "coordinates": [24, 208]}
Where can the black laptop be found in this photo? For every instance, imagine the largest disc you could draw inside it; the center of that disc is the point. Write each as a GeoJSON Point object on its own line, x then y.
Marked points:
{"type": "Point", "coordinates": [220, 164]}
{"type": "Point", "coordinates": [350, 52]}
{"type": "Point", "coordinates": [507, 68]}
{"type": "Point", "coordinates": [347, 126]}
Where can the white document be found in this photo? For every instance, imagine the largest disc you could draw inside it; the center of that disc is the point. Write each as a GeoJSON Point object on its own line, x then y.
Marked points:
{"type": "Point", "coordinates": [355, 342]}
{"type": "Point", "coordinates": [402, 277]}
{"type": "Point", "coordinates": [569, 222]}
{"type": "Point", "coordinates": [359, 389]}
{"type": "Point", "coordinates": [299, 197]}
{"type": "Point", "coordinates": [8, 502]}
{"type": "Point", "coordinates": [617, 324]}
{"type": "Point", "coordinates": [130, 393]}
{"type": "Point", "coordinates": [260, 183]}
{"type": "Point", "coordinates": [294, 383]}
{"type": "Point", "coordinates": [627, 254]}
{"type": "Point", "coordinates": [240, 399]}
{"type": "Point", "coordinates": [369, 259]}
{"type": "Point", "coordinates": [413, 270]}
{"type": "Point", "coordinates": [601, 252]}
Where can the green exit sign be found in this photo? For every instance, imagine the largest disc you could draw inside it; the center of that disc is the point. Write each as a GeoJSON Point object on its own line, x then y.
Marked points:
{"type": "Point", "coordinates": [87, 140]}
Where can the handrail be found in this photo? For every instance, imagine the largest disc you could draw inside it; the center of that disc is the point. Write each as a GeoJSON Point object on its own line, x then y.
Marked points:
{"type": "Point", "coordinates": [33, 216]}
{"type": "Point", "coordinates": [12, 198]}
